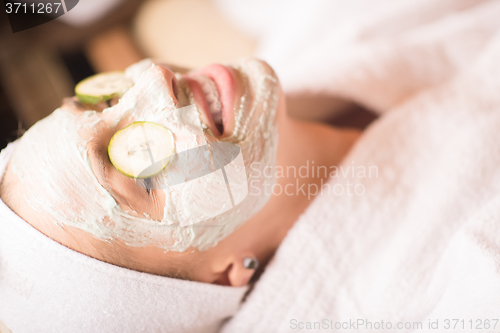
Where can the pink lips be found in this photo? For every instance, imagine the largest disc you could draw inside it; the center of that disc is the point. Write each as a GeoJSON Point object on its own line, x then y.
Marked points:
{"type": "Point", "coordinates": [224, 79]}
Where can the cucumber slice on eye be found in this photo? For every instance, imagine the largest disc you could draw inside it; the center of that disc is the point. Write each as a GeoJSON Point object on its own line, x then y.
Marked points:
{"type": "Point", "coordinates": [101, 87]}
{"type": "Point", "coordinates": [141, 150]}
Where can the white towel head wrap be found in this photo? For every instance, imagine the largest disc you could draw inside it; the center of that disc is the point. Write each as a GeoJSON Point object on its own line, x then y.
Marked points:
{"type": "Point", "coordinates": [46, 287]}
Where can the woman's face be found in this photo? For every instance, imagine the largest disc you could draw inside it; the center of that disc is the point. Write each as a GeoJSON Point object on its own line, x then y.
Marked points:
{"type": "Point", "coordinates": [63, 164]}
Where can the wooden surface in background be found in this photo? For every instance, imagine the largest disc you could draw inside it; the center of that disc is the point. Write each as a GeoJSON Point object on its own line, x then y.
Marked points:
{"type": "Point", "coordinates": [112, 50]}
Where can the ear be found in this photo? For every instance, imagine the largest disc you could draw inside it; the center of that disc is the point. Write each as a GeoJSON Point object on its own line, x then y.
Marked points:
{"type": "Point", "coordinates": [236, 274]}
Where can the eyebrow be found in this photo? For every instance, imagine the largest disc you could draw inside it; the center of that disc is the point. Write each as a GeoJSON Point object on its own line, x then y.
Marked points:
{"type": "Point", "coordinates": [100, 173]}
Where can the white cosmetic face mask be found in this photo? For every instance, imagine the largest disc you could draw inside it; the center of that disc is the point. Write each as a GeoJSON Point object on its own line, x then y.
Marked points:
{"type": "Point", "coordinates": [52, 162]}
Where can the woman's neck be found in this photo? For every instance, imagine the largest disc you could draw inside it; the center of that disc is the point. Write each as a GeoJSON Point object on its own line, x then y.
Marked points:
{"type": "Point", "coordinates": [304, 149]}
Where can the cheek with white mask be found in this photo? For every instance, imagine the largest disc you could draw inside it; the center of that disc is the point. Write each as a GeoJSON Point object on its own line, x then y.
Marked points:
{"type": "Point", "coordinates": [52, 161]}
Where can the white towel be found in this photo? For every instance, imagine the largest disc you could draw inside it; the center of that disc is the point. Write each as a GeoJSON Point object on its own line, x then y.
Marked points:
{"type": "Point", "coordinates": [46, 287]}
{"type": "Point", "coordinates": [422, 243]}
{"type": "Point", "coordinates": [375, 52]}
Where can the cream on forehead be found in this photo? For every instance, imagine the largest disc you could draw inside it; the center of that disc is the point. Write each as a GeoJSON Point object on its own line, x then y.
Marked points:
{"type": "Point", "coordinates": [51, 160]}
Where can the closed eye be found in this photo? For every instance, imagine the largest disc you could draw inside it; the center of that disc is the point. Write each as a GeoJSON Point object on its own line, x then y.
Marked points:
{"type": "Point", "coordinates": [136, 198]}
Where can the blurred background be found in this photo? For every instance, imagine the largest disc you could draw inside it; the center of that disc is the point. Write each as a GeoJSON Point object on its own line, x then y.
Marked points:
{"type": "Point", "coordinates": [40, 66]}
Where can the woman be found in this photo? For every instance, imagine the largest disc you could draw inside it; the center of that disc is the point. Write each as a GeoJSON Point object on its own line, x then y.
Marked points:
{"type": "Point", "coordinates": [61, 181]}
{"type": "Point", "coordinates": [414, 249]}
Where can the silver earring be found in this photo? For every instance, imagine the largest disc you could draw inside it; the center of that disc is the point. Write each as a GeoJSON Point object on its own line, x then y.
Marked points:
{"type": "Point", "coordinates": [250, 263]}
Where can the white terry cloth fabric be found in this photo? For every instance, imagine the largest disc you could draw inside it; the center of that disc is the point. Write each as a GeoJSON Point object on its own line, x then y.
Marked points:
{"type": "Point", "coordinates": [422, 242]}
{"type": "Point", "coordinates": [375, 52]}
{"type": "Point", "coordinates": [46, 287]}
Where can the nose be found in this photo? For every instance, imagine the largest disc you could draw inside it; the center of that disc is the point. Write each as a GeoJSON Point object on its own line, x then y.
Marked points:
{"type": "Point", "coordinates": [171, 82]}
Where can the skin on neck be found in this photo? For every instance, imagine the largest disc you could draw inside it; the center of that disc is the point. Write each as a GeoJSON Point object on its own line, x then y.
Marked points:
{"type": "Point", "coordinates": [259, 237]}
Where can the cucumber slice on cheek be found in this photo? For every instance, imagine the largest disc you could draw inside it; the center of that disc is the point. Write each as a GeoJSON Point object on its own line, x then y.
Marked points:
{"type": "Point", "coordinates": [103, 87]}
{"type": "Point", "coordinates": [141, 150]}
